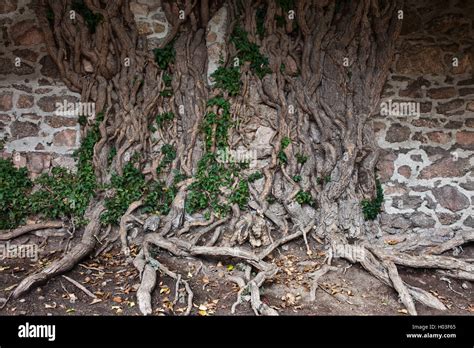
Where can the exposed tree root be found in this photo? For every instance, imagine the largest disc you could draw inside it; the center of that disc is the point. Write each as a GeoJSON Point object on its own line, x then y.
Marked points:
{"type": "Point", "coordinates": [7, 234]}
{"type": "Point", "coordinates": [81, 250]}
{"type": "Point", "coordinates": [381, 265]}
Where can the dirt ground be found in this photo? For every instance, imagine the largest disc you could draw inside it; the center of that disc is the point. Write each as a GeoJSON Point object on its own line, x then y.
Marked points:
{"type": "Point", "coordinates": [114, 281]}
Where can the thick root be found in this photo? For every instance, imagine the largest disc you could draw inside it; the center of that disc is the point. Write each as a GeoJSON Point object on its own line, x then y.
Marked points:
{"type": "Point", "coordinates": [7, 235]}
{"type": "Point", "coordinates": [81, 250]}
{"type": "Point", "coordinates": [382, 266]}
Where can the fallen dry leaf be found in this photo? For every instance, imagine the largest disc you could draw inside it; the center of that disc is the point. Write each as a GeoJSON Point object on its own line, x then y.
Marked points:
{"type": "Point", "coordinates": [117, 299]}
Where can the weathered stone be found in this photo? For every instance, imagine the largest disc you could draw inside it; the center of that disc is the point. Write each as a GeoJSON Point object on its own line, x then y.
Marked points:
{"type": "Point", "coordinates": [144, 28]}
{"type": "Point", "coordinates": [66, 137]}
{"type": "Point", "coordinates": [39, 147]}
{"type": "Point", "coordinates": [407, 202]}
{"type": "Point", "coordinates": [467, 82]}
{"type": "Point", "coordinates": [470, 106]}
{"type": "Point", "coordinates": [396, 221]}
{"type": "Point", "coordinates": [469, 185]}
{"type": "Point", "coordinates": [420, 60]}
{"type": "Point", "coordinates": [7, 6]}
{"type": "Point", "coordinates": [23, 88]}
{"type": "Point", "coordinates": [42, 90]}
{"type": "Point", "coordinates": [60, 121]}
{"type": "Point", "coordinates": [25, 101]}
{"type": "Point", "coordinates": [469, 222]}
{"type": "Point", "coordinates": [450, 198]}
{"type": "Point", "coordinates": [453, 125]}
{"type": "Point", "coordinates": [425, 107]}
{"type": "Point", "coordinates": [422, 220]}
{"type": "Point", "coordinates": [416, 158]}
{"type": "Point", "coordinates": [465, 139]}
{"type": "Point", "coordinates": [30, 117]}
{"type": "Point", "coordinates": [397, 133]}
{"type": "Point", "coordinates": [414, 89]}
{"type": "Point", "coordinates": [49, 68]}
{"type": "Point", "coordinates": [216, 49]}
{"type": "Point", "coordinates": [466, 91]}
{"type": "Point", "coordinates": [443, 108]}
{"type": "Point", "coordinates": [6, 101]}
{"type": "Point", "coordinates": [23, 129]}
{"type": "Point", "coordinates": [65, 162]}
{"type": "Point", "coordinates": [426, 122]}
{"type": "Point", "coordinates": [447, 219]}
{"type": "Point", "coordinates": [420, 188]}
{"type": "Point", "coordinates": [26, 33]}
{"type": "Point", "coordinates": [439, 137]}
{"type": "Point", "coordinates": [418, 136]}
{"type": "Point", "coordinates": [445, 168]}
{"type": "Point", "coordinates": [48, 104]}
{"type": "Point", "coordinates": [37, 162]}
{"type": "Point", "coordinates": [386, 166]}
{"type": "Point", "coordinates": [158, 28]}
{"type": "Point", "coordinates": [405, 171]}
{"type": "Point", "coordinates": [5, 118]}
{"type": "Point", "coordinates": [470, 122]}
{"type": "Point", "coordinates": [442, 93]}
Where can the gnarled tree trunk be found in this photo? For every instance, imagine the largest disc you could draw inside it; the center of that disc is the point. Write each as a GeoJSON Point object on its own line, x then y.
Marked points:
{"type": "Point", "coordinates": [315, 83]}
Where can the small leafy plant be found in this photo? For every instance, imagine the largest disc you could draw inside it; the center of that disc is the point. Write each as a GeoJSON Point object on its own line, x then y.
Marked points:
{"type": "Point", "coordinates": [372, 208]}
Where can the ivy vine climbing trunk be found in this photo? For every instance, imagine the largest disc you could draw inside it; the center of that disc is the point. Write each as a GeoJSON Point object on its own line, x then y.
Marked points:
{"type": "Point", "coordinates": [304, 75]}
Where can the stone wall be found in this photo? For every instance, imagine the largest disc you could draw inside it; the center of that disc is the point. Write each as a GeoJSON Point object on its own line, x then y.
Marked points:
{"type": "Point", "coordinates": [30, 87]}
{"type": "Point", "coordinates": [428, 159]}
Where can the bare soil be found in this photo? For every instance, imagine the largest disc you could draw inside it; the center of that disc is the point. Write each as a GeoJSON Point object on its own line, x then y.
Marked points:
{"type": "Point", "coordinates": [114, 281]}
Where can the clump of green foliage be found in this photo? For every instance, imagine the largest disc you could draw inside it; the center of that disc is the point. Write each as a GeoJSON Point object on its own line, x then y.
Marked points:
{"type": "Point", "coordinates": [304, 197]}
{"type": "Point", "coordinates": [63, 193]}
{"type": "Point", "coordinates": [128, 188]}
{"type": "Point", "coordinates": [164, 56]}
{"type": "Point", "coordinates": [241, 195]}
{"type": "Point", "coordinates": [164, 117]}
{"type": "Point", "coordinates": [91, 18]}
{"type": "Point", "coordinates": [250, 52]}
{"type": "Point", "coordinates": [59, 194]}
{"type": "Point", "coordinates": [301, 158]}
{"type": "Point", "coordinates": [210, 177]}
{"type": "Point", "coordinates": [324, 180]}
{"type": "Point", "coordinates": [221, 120]}
{"type": "Point", "coordinates": [255, 176]}
{"type": "Point", "coordinates": [14, 188]}
{"type": "Point", "coordinates": [296, 178]}
{"type": "Point", "coordinates": [282, 157]}
{"type": "Point", "coordinates": [169, 154]}
{"type": "Point", "coordinates": [372, 208]}
{"type": "Point", "coordinates": [227, 79]}
{"type": "Point", "coordinates": [131, 186]}
{"type": "Point", "coordinates": [158, 198]}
